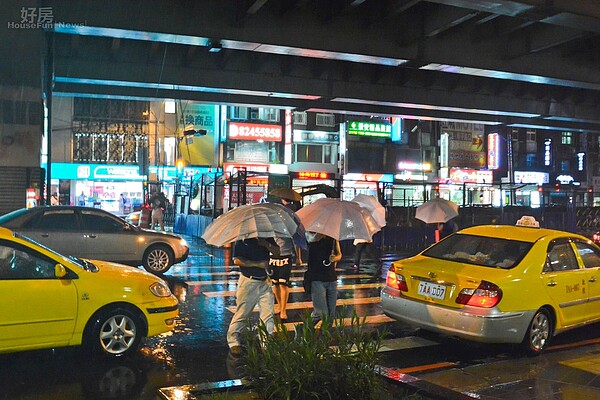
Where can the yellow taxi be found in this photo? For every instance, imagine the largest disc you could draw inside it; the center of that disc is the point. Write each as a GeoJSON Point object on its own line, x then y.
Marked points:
{"type": "Point", "coordinates": [499, 284]}
{"type": "Point", "coordinates": [50, 300]}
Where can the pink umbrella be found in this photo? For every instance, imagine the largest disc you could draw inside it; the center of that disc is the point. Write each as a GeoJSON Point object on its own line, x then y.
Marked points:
{"type": "Point", "coordinates": [339, 219]}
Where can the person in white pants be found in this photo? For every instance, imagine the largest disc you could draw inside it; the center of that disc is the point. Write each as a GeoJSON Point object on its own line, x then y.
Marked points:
{"type": "Point", "coordinates": [254, 288]}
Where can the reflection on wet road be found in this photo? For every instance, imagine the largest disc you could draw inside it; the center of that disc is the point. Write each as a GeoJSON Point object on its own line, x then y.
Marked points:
{"type": "Point", "coordinates": [196, 351]}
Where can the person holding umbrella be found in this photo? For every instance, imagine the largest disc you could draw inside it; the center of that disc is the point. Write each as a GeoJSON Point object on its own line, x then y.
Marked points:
{"type": "Point", "coordinates": [254, 289]}
{"type": "Point", "coordinates": [323, 254]}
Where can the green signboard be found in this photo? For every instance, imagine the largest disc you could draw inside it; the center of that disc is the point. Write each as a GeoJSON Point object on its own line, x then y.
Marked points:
{"type": "Point", "coordinates": [371, 129]}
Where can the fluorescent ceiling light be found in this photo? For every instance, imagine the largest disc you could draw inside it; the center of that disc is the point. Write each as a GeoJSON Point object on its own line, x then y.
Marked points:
{"type": "Point", "coordinates": [225, 44]}
{"type": "Point", "coordinates": [488, 73]}
{"type": "Point", "coordinates": [436, 108]}
{"type": "Point", "coordinates": [554, 128]}
{"type": "Point", "coordinates": [405, 116]}
{"type": "Point", "coordinates": [189, 88]}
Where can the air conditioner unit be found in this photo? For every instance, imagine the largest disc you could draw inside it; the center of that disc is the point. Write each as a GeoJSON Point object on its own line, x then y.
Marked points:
{"type": "Point", "coordinates": [325, 119]}
{"type": "Point", "coordinates": [300, 117]}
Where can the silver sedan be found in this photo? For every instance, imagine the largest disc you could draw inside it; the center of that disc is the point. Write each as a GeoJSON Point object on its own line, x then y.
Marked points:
{"type": "Point", "coordinates": [96, 234]}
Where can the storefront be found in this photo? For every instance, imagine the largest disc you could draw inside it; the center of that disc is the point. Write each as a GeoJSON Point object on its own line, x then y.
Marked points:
{"type": "Point", "coordinates": [354, 184]}
{"type": "Point", "coordinates": [103, 184]}
{"type": "Point", "coordinates": [466, 186]}
{"type": "Point", "coordinates": [100, 184]}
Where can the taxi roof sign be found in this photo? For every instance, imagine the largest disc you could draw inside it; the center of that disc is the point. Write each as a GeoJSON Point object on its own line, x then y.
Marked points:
{"type": "Point", "coordinates": [528, 220]}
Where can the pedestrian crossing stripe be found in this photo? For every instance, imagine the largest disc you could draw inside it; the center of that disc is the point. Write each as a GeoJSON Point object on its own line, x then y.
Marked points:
{"type": "Point", "coordinates": [356, 286]}
{"type": "Point", "coordinates": [308, 304]}
{"type": "Point", "coordinates": [292, 279]}
{"type": "Point", "coordinates": [233, 271]}
{"type": "Point", "coordinates": [369, 319]}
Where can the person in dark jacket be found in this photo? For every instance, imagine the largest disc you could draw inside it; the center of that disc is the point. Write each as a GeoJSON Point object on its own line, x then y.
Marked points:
{"type": "Point", "coordinates": [323, 254]}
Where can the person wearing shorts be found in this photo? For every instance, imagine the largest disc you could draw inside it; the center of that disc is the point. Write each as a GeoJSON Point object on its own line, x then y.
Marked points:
{"type": "Point", "coordinates": [280, 271]}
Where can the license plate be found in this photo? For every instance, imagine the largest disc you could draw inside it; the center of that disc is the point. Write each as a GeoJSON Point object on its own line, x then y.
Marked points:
{"type": "Point", "coordinates": [433, 290]}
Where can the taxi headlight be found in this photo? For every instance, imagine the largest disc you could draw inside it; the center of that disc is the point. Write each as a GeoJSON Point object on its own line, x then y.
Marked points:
{"type": "Point", "coordinates": [160, 289]}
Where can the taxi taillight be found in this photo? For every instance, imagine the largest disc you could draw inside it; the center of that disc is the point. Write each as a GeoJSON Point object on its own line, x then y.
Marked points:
{"type": "Point", "coordinates": [487, 295]}
{"type": "Point", "coordinates": [395, 281]}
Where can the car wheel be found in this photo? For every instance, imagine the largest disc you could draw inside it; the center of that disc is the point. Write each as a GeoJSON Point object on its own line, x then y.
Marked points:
{"type": "Point", "coordinates": [158, 259]}
{"type": "Point", "coordinates": [539, 332]}
{"type": "Point", "coordinates": [115, 332]}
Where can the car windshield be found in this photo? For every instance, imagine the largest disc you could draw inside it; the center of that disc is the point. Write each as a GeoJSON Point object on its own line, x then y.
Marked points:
{"type": "Point", "coordinates": [83, 264]}
{"type": "Point", "coordinates": [480, 250]}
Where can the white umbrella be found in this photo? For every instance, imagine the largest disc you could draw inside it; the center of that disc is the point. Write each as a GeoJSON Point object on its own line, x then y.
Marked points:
{"type": "Point", "coordinates": [374, 206]}
{"type": "Point", "coordinates": [436, 211]}
{"type": "Point", "coordinates": [250, 221]}
{"type": "Point", "coordinates": [339, 219]}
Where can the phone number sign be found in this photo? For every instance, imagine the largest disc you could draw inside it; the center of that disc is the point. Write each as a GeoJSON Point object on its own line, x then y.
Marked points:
{"type": "Point", "coordinates": [246, 131]}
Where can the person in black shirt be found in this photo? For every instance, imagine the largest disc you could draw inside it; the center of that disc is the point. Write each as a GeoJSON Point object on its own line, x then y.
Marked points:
{"type": "Point", "coordinates": [254, 289]}
{"type": "Point", "coordinates": [323, 254]}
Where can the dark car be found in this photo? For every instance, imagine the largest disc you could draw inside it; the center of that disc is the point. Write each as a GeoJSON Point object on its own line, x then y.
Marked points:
{"type": "Point", "coordinates": [97, 234]}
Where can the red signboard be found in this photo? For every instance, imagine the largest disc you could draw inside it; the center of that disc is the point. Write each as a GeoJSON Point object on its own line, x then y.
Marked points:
{"type": "Point", "coordinates": [493, 151]}
{"type": "Point", "coordinates": [248, 131]}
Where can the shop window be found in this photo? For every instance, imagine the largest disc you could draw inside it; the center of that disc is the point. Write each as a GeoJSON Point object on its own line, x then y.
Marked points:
{"type": "Point", "coordinates": [309, 153]}
{"type": "Point", "coordinates": [21, 112]}
{"type": "Point", "coordinates": [239, 112]}
{"type": "Point", "coordinates": [269, 114]}
{"type": "Point", "coordinates": [566, 138]}
{"type": "Point", "coordinates": [531, 136]}
{"type": "Point", "coordinates": [8, 112]}
{"type": "Point", "coordinates": [530, 160]}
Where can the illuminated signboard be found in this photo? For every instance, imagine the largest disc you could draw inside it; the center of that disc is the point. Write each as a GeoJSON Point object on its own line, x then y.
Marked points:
{"type": "Point", "coordinates": [413, 166]}
{"type": "Point", "coordinates": [444, 140]}
{"type": "Point", "coordinates": [314, 175]}
{"type": "Point", "coordinates": [580, 161]}
{"type": "Point", "coordinates": [257, 181]}
{"type": "Point", "coordinates": [372, 129]}
{"type": "Point", "coordinates": [467, 175]}
{"type": "Point", "coordinates": [315, 136]}
{"type": "Point", "coordinates": [493, 151]}
{"type": "Point", "coordinates": [547, 152]}
{"type": "Point", "coordinates": [531, 177]}
{"type": "Point", "coordinates": [249, 131]}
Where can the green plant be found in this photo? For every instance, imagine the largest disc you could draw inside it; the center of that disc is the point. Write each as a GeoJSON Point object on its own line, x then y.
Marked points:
{"type": "Point", "coordinates": [328, 362]}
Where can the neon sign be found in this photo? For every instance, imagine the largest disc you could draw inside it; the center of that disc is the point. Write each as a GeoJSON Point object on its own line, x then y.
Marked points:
{"type": "Point", "coordinates": [373, 129]}
{"type": "Point", "coordinates": [314, 175]}
{"type": "Point", "coordinates": [247, 131]}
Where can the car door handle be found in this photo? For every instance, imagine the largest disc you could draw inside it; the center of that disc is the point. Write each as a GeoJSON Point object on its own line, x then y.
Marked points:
{"type": "Point", "coordinates": [92, 236]}
{"type": "Point", "coordinates": [551, 283]}
{"type": "Point", "coordinates": [45, 235]}
{"type": "Point", "coordinates": [592, 279]}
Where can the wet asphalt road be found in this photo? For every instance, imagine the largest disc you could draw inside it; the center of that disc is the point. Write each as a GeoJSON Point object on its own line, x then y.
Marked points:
{"type": "Point", "coordinates": [196, 352]}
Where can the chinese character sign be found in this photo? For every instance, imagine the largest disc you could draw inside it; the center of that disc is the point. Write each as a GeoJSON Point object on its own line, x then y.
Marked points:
{"type": "Point", "coordinates": [198, 149]}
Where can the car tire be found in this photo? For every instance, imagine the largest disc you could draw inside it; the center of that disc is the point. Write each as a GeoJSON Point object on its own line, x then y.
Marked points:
{"type": "Point", "coordinates": [114, 332]}
{"type": "Point", "coordinates": [539, 332]}
{"type": "Point", "coordinates": [158, 259]}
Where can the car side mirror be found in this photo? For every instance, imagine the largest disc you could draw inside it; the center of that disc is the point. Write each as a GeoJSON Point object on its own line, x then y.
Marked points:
{"type": "Point", "coordinates": [60, 271]}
